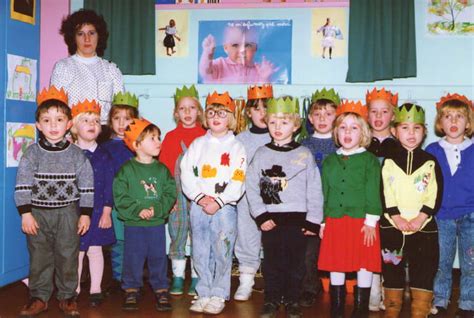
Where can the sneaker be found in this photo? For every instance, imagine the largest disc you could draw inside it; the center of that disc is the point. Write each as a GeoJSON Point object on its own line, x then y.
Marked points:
{"type": "Point", "coordinates": [177, 286]}
{"type": "Point", "coordinates": [162, 301]}
{"type": "Point", "coordinates": [96, 299]}
{"type": "Point", "coordinates": [462, 313]}
{"type": "Point", "coordinates": [307, 299]}
{"type": "Point", "coordinates": [293, 310]}
{"type": "Point", "coordinates": [34, 307]}
{"type": "Point", "coordinates": [192, 287]}
{"type": "Point", "coordinates": [215, 306]}
{"type": "Point", "coordinates": [69, 307]}
{"type": "Point", "coordinates": [130, 302]}
{"type": "Point", "coordinates": [199, 304]}
{"type": "Point", "coordinates": [269, 310]}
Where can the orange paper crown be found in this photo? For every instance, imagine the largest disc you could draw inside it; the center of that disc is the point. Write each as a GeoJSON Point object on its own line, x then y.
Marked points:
{"type": "Point", "coordinates": [134, 130]}
{"type": "Point", "coordinates": [223, 99]}
{"type": "Point", "coordinates": [348, 106]}
{"type": "Point", "coordinates": [85, 107]}
{"type": "Point", "coordinates": [454, 96]}
{"type": "Point", "coordinates": [392, 99]}
{"type": "Point", "coordinates": [52, 93]}
{"type": "Point", "coordinates": [257, 92]}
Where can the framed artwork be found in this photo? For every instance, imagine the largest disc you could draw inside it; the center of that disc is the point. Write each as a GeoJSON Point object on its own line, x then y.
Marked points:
{"type": "Point", "coordinates": [23, 10]}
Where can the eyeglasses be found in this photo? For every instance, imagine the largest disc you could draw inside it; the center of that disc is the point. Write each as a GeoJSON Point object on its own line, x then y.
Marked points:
{"type": "Point", "coordinates": [212, 113]}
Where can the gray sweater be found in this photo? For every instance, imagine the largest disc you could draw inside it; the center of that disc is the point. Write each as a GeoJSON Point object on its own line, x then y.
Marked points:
{"type": "Point", "coordinates": [283, 184]}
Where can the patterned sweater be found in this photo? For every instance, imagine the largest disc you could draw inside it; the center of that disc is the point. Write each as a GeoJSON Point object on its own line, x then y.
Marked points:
{"type": "Point", "coordinates": [320, 148]}
{"type": "Point", "coordinates": [54, 177]}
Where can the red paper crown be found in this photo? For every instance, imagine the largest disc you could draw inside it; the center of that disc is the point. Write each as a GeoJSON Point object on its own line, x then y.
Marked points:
{"type": "Point", "coordinates": [392, 99]}
{"type": "Point", "coordinates": [352, 107]}
{"type": "Point", "coordinates": [52, 93]}
{"type": "Point", "coordinates": [257, 92]}
{"type": "Point", "coordinates": [85, 107]}
{"type": "Point", "coordinates": [449, 97]}
{"type": "Point", "coordinates": [223, 99]}
{"type": "Point", "coordinates": [134, 130]}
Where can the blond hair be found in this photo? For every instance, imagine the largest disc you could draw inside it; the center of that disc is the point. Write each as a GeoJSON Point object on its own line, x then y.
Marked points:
{"type": "Point", "coordinates": [295, 118]}
{"type": "Point", "coordinates": [77, 119]}
{"type": "Point", "coordinates": [454, 105]}
{"type": "Point", "coordinates": [200, 116]}
{"type": "Point", "coordinates": [231, 120]}
{"type": "Point", "coordinates": [366, 136]}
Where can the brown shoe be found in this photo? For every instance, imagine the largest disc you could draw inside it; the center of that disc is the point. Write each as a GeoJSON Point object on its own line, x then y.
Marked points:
{"type": "Point", "coordinates": [69, 307]}
{"type": "Point", "coordinates": [34, 307]}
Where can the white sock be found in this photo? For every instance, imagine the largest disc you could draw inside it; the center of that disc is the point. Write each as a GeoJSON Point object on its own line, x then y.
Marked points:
{"type": "Point", "coordinates": [178, 266]}
{"type": "Point", "coordinates": [337, 278]}
{"type": "Point", "coordinates": [364, 278]}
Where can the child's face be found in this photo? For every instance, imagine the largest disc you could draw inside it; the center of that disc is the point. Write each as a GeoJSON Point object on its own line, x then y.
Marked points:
{"type": "Point", "coordinates": [454, 124]}
{"type": "Point", "coordinates": [257, 115]}
{"type": "Point", "coordinates": [120, 121]}
{"type": "Point", "coordinates": [150, 146]}
{"type": "Point", "coordinates": [54, 124]}
{"type": "Point", "coordinates": [349, 133]}
{"type": "Point", "coordinates": [281, 128]}
{"type": "Point", "coordinates": [323, 119]}
{"type": "Point", "coordinates": [86, 40]}
{"type": "Point", "coordinates": [410, 135]}
{"type": "Point", "coordinates": [217, 121]}
{"type": "Point", "coordinates": [88, 127]}
{"type": "Point", "coordinates": [250, 50]}
{"type": "Point", "coordinates": [380, 115]}
{"type": "Point", "coordinates": [187, 112]}
{"type": "Point", "coordinates": [234, 45]}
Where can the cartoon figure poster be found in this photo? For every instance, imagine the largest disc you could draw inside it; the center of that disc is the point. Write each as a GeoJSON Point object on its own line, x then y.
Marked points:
{"type": "Point", "coordinates": [329, 33]}
{"type": "Point", "coordinates": [22, 75]}
{"type": "Point", "coordinates": [19, 137]}
{"type": "Point", "coordinates": [172, 34]}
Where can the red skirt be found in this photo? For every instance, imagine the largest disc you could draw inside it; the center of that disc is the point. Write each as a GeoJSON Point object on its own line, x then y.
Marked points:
{"type": "Point", "coordinates": [343, 249]}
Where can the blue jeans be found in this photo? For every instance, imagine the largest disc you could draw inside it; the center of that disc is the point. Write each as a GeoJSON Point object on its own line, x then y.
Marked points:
{"type": "Point", "coordinates": [143, 243]}
{"type": "Point", "coordinates": [462, 230]}
{"type": "Point", "coordinates": [213, 239]}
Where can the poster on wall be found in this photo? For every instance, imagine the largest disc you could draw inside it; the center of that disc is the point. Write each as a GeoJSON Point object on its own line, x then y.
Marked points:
{"type": "Point", "coordinates": [22, 77]}
{"type": "Point", "coordinates": [329, 33]}
{"type": "Point", "coordinates": [19, 137]}
{"type": "Point", "coordinates": [23, 10]}
{"type": "Point", "coordinates": [172, 35]}
{"type": "Point", "coordinates": [245, 51]}
{"type": "Point", "coordinates": [450, 17]}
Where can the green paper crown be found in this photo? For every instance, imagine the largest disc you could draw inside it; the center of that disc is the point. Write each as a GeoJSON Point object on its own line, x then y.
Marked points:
{"type": "Point", "coordinates": [125, 99]}
{"type": "Point", "coordinates": [326, 94]}
{"type": "Point", "coordinates": [186, 92]}
{"type": "Point", "coordinates": [410, 113]}
{"type": "Point", "coordinates": [286, 105]}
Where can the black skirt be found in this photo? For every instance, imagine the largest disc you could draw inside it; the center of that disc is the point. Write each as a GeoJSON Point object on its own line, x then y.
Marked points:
{"type": "Point", "coordinates": [169, 41]}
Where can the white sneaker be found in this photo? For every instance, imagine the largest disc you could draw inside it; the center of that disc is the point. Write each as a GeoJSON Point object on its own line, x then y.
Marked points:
{"type": "Point", "coordinates": [199, 304]}
{"type": "Point", "coordinates": [215, 306]}
{"type": "Point", "coordinates": [244, 291]}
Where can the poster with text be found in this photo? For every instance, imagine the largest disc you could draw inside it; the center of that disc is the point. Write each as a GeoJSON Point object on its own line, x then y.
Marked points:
{"type": "Point", "coordinates": [172, 35]}
{"type": "Point", "coordinates": [19, 137]}
{"type": "Point", "coordinates": [22, 76]}
{"type": "Point", "coordinates": [245, 51]}
{"type": "Point", "coordinates": [329, 33]}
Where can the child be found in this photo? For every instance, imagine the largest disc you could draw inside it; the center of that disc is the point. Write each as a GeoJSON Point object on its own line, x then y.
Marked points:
{"type": "Point", "coordinates": [352, 208]}
{"type": "Point", "coordinates": [321, 115]}
{"type": "Point", "coordinates": [285, 198]}
{"type": "Point", "coordinates": [144, 193]}
{"type": "Point", "coordinates": [188, 114]}
{"type": "Point", "coordinates": [54, 196]}
{"type": "Point", "coordinates": [380, 104]}
{"type": "Point", "coordinates": [124, 110]}
{"type": "Point", "coordinates": [455, 154]}
{"type": "Point", "coordinates": [412, 189]}
{"type": "Point", "coordinates": [85, 130]}
{"type": "Point", "coordinates": [212, 176]}
{"type": "Point", "coordinates": [248, 244]}
{"type": "Point", "coordinates": [168, 42]}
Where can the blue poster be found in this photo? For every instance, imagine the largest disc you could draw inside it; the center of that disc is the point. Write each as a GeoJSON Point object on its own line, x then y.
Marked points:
{"type": "Point", "coordinates": [245, 52]}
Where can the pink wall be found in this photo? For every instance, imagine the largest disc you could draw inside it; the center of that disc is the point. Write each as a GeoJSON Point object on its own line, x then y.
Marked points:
{"type": "Point", "coordinates": [52, 46]}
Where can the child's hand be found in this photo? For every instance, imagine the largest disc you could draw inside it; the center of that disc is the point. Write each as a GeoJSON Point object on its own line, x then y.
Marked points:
{"type": "Point", "coordinates": [401, 223]}
{"type": "Point", "coordinates": [205, 201]}
{"type": "Point", "coordinates": [29, 224]}
{"type": "Point", "coordinates": [83, 224]}
{"type": "Point", "coordinates": [265, 69]}
{"type": "Point", "coordinates": [146, 214]}
{"type": "Point", "coordinates": [177, 38]}
{"type": "Point", "coordinates": [267, 225]}
{"type": "Point", "coordinates": [321, 232]}
{"type": "Point", "coordinates": [209, 45]}
{"type": "Point", "coordinates": [417, 222]}
{"type": "Point", "coordinates": [308, 232]}
{"type": "Point", "coordinates": [369, 235]}
{"type": "Point", "coordinates": [105, 221]}
{"type": "Point", "coordinates": [211, 208]}
{"type": "Point", "coordinates": [175, 207]}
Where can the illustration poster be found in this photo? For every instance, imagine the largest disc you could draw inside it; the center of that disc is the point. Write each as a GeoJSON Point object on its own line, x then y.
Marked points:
{"type": "Point", "coordinates": [172, 35]}
{"type": "Point", "coordinates": [23, 10]}
{"type": "Point", "coordinates": [329, 33]}
{"type": "Point", "coordinates": [19, 137]}
{"type": "Point", "coordinates": [450, 17]}
{"type": "Point", "coordinates": [22, 76]}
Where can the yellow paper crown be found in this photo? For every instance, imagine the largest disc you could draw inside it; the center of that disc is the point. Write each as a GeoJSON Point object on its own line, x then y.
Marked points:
{"type": "Point", "coordinates": [134, 130]}
{"type": "Point", "coordinates": [387, 96]}
{"type": "Point", "coordinates": [52, 93]}
{"type": "Point", "coordinates": [125, 99]}
{"type": "Point", "coordinates": [85, 106]}
{"type": "Point", "coordinates": [257, 92]}
{"type": "Point", "coordinates": [286, 105]}
{"type": "Point", "coordinates": [409, 113]}
{"type": "Point", "coordinates": [455, 96]}
{"type": "Point", "coordinates": [223, 99]}
{"type": "Point", "coordinates": [348, 106]}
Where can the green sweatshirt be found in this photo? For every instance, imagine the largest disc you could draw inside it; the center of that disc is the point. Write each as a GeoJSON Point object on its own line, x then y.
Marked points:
{"type": "Point", "coordinates": [139, 186]}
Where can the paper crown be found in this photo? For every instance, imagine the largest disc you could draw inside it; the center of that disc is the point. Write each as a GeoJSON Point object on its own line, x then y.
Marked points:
{"type": "Point", "coordinates": [85, 106]}
{"type": "Point", "coordinates": [125, 99]}
{"type": "Point", "coordinates": [257, 92]}
{"type": "Point", "coordinates": [286, 105]}
{"type": "Point", "coordinates": [134, 130]}
{"type": "Point", "coordinates": [348, 106]}
{"type": "Point", "coordinates": [223, 99]}
{"type": "Point", "coordinates": [409, 113]}
{"type": "Point", "coordinates": [450, 97]}
{"type": "Point", "coordinates": [52, 93]}
{"type": "Point", "coordinates": [387, 96]}
{"type": "Point", "coordinates": [326, 94]}
{"type": "Point", "coordinates": [186, 92]}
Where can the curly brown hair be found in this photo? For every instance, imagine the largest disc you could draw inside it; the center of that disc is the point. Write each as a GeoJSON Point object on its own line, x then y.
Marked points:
{"type": "Point", "coordinates": [73, 22]}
